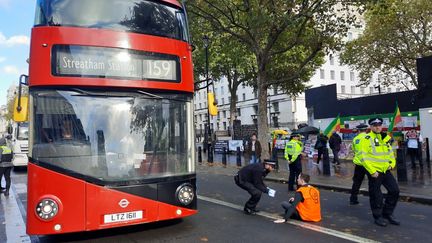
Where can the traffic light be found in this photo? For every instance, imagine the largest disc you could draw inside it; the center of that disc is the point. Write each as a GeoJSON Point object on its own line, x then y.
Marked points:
{"type": "Point", "coordinates": [212, 105]}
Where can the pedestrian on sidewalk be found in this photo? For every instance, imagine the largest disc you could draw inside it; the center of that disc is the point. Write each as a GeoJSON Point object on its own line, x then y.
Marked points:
{"type": "Point", "coordinates": [414, 140]}
{"type": "Point", "coordinates": [321, 145]}
{"type": "Point", "coordinates": [254, 149]}
{"type": "Point", "coordinates": [251, 179]}
{"type": "Point", "coordinates": [305, 205]}
{"type": "Point", "coordinates": [359, 170]}
{"type": "Point", "coordinates": [378, 159]}
{"type": "Point", "coordinates": [5, 164]}
{"type": "Point", "coordinates": [335, 142]}
{"type": "Point", "coordinates": [293, 150]}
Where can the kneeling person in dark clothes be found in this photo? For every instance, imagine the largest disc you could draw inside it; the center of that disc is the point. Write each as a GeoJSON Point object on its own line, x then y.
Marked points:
{"type": "Point", "coordinates": [305, 205]}
{"type": "Point", "coordinates": [251, 179]}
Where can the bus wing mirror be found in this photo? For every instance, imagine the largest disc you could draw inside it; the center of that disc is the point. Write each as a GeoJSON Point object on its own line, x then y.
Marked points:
{"type": "Point", "coordinates": [20, 113]}
{"type": "Point", "coordinates": [8, 137]}
{"type": "Point", "coordinates": [9, 129]}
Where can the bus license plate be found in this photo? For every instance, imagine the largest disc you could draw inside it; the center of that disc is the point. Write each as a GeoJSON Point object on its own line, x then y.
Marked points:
{"type": "Point", "coordinates": [120, 217]}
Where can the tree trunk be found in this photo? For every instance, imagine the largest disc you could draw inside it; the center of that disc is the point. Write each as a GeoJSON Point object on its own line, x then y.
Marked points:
{"type": "Point", "coordinates": [263, 131]}
{"type": "Point", "coordinates": [233, 107]}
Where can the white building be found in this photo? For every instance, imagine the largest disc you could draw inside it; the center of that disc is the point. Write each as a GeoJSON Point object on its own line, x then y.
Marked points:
{"type": "Point", "coordinates": [3, 121]}
{"type": "Point", "coordinates": [284, 112]}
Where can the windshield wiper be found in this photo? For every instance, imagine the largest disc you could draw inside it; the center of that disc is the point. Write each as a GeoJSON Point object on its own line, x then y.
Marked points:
{"type": "Point", "coordinates": [99, 94]}
{"type": "Point", "coordinates": [150, 94]}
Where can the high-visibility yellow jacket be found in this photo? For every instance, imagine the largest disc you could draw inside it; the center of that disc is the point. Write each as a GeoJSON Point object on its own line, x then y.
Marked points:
{"type": "Point", "coordinates": [356, 147]}
{"type": "Point", "coordinates": [375, 154]}
{"type": "Point", "coordinates": [5, 150]}
{"type": "Point", "coordinates": [294, 149]}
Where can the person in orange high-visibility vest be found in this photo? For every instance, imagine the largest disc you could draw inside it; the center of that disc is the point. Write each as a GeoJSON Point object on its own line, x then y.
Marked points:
{"type": "Point", "coordinates": [305, 205]}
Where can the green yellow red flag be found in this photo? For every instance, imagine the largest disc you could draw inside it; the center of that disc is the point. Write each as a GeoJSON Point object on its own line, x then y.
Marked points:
{"type": "Point", "coordinates": [397, 118]}
{"type": "Point", "coordinates": [334, 126]}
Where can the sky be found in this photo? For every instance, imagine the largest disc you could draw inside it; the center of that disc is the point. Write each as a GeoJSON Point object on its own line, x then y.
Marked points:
{"type": "Point", "coordinates": [16, 21]}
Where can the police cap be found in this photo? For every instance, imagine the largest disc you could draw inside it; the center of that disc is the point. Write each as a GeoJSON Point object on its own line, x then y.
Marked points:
{"type": "Point", "coordinates": [296, 135]}
{"type": "Point", "coordinates": [375, 120]}
{"type": "Point", "coordinates": [362, 127]}
{"type": "Point", "coordinates": [270, 162]}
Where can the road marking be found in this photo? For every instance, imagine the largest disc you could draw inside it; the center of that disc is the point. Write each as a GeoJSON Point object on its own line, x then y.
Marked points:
{"type": "Point", "coordinates": [15, 225]}
{"type": "Point", "coordinates": [305, 225]}
{"type": "Point", "coordinates": [21, 188]}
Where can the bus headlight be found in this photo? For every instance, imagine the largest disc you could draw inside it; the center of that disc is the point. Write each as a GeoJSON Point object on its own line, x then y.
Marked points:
{"type": "Point", "coordinates": [47, 208]}
{"type": "Point", "coordinates": [185, 194]}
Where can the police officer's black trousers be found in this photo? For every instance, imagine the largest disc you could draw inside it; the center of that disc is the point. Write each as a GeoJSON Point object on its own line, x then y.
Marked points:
{"type": "Point", "coordinates": [359, 174]}
{"type": "Point", "coordinates": [295, 170]}
{"type": "Point", "coordinates": [380, 208]}
{"type": "Point", "coordinates": [6, 171]}
{"type": "Point", "coordinates": [252, 190]}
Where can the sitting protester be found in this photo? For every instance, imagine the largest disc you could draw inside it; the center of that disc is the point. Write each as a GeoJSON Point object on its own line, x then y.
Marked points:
{"type": "Point", "coordinates": [305, 205]}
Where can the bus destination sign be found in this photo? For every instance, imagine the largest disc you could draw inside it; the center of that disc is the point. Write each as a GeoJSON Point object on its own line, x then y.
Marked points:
{"type": "Point", "coordinates": [101, 62]}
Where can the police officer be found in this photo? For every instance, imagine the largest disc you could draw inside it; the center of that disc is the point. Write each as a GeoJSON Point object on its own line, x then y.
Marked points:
{"type": "Point", "coordinates": [359, 170]}
{"type": "Point", "coordinates": [378, 159]}
{"type": "Point", "coordinates": [5, 164]}
{"type": "Point", "coordinates": [251, 179]}
{"type": "Point", "coordinates": [293, 150]}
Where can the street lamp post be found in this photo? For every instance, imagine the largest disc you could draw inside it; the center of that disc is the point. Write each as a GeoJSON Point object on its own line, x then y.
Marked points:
{"type": "Point", "coordinates": [269, 111]}
{"type": "Point", "coordinates": [206, 41]}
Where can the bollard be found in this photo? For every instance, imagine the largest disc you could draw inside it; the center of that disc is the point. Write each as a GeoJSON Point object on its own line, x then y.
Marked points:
{"type": "Point", "coordinates": [224, 156]}
{"type": "Point", "coordinates": [210, 154]}
{"type": "Point", "coordinates": [270, 149]}
{"type": "Point", "coordinates": [199, 155]}
{"type": "Point", "coordinates": [401, 165]}
{"type": "Point", "coordinates": [238, 157]}
{"type": "Point", "coordinates": [326, 162]}
{"type": "Point", "coordinates": [427, 152]}
{"type": "Point", "coordinates": [275, 159]}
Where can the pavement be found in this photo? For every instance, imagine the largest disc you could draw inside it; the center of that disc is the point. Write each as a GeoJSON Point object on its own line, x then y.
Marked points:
{"type": "Point", "coordinates": [417, 189]}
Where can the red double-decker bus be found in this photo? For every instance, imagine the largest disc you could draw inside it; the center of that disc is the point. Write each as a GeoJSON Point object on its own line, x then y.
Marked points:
{"type": "Point", "coordinates": [111, 115]}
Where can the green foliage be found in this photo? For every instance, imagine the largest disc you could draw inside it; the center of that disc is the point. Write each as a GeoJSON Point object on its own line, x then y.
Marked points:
{"type": "Point", "coordinates": [226, 55]}
{"type": "Point", "coordinates": [396, 34]}
{"type": "Point", "coordinates": [285, 38]}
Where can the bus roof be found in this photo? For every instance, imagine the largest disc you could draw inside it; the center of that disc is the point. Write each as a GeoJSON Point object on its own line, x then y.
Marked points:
{"type": "Point", "coordinates": [174, 2]}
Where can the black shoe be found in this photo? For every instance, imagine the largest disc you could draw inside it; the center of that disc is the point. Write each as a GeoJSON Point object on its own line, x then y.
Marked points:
{"type": "Point", "coordinates": [392, 220]}
{"type": "Point", "coordinates": [6, 193]}
{"type": "Point", "coordinates": [247, 211]}
{"type": "Point", "coordinates": [381, 222]}
{"type": "Point", "coordinates": [255, 210]}
{"type": "Point", "coordinates": [354, 202]}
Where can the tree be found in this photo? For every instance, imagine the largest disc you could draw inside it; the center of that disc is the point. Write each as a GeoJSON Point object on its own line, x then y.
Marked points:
{"type": "Point", "coordinates": [286, 39]}
{"type": "Point", "coordinates": [228, 59]}
{"type": "Point", "coordinates": [396, 34]}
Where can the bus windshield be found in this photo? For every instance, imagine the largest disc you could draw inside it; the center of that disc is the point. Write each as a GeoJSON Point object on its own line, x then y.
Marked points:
{"type": "Point", "coordinates": [113, 136]}
{"type": "Point", "coordinates": [139, 16]}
